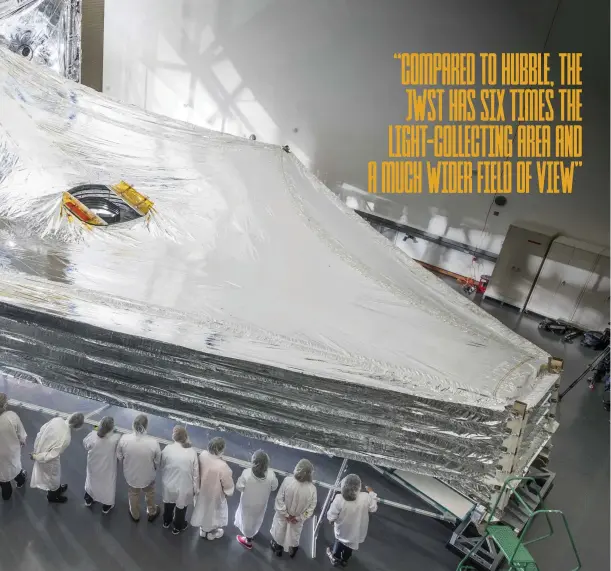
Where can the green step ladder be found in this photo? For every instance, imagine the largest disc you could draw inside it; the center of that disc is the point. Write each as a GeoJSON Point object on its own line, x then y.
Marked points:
{"type": "Point", "coordinates": [509, 543]}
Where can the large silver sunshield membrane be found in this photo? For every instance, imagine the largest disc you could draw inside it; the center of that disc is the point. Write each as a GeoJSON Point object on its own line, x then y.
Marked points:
{"type": "Point", "coordinates": [153, 264]}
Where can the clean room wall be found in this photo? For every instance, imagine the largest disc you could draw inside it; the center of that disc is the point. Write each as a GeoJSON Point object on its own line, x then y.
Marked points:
{"type": "Point", "coordinates": [320, 76]}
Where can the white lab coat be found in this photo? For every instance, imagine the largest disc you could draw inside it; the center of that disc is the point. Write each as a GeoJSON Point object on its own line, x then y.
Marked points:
{"type": "Point", "coordinates": [179, 475]}
{"type": "Point", "coordinates": [351, 519]}
{"type": "Point", "coordinates": [216, 483]}
{"type": "Point", "coordinates": [12, 438]}
{"type": "Point", "coordinates": [101, 480]}
{"type": "Point", "coordinates": [253, 502]}
{"type": "Point", "coordinates": [297, 499]}
{"type": "Point", "coordinates": [51, 441]}
{"type": "Point", "coordinates": [141, 456]}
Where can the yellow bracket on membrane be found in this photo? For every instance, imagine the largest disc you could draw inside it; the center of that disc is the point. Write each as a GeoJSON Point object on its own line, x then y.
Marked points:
{"type": "Point", "coordinates": [131, 196]}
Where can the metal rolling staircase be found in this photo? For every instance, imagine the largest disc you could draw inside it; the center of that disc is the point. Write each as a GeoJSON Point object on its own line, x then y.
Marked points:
{"type": "Point", "coordinates": [523, 509]}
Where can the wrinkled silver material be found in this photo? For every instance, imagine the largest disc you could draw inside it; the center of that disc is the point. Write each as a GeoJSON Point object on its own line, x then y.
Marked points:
{"type": "Point", "coordinates": [47, 32]}
{"type": "Point", "coordinates": [251, 299]}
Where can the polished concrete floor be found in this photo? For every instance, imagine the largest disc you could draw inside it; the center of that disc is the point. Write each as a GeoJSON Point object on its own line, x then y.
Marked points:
{"type": "Point", "coordinates": [36, 536]}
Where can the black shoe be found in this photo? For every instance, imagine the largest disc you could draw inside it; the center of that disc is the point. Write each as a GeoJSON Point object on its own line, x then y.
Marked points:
{"type": "Point", "coordinates": [153, 517]}
{"type": "Point", "coordinates": [277, 549]}
{"type": "Point", "coordinates": [335, 562]}
{"type": "Point", "coordinates": [134, 519]}
{"type": "Point", "coordinates": [24, 475]}
{"type": "Point", "coordinates": [166, 525]}
{"type": "Point", "coordinates": [56, 499]}
{"type": "Point", "coordinates": [106, 509]}
{"type": "Point", "coordinates": [293, 552]}
{"type": "Point", "coordinates": [63, 488]}
{"type": "Point", "coordinates": [178, 530]}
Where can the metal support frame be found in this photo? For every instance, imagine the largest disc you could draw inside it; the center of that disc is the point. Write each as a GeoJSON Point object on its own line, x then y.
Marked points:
{"type": "Point", "coordinates": [412, 231]}
{"type": "Point", "coordinates": [515, 430]}
{"type": "Point", "coordinates": [487, 555]}
{"type": "Point", "coordinates": [327, 504]}
{"type": "Point", "coordinates": [442, 513]}
{"type": "Point", "coordinates": [467, 534]}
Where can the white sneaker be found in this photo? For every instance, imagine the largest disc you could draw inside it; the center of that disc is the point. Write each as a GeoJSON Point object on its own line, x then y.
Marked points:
{"type": "Point", "coordinates": [202, 533]}
{"type": "Point", "coordinates": [216, 534]}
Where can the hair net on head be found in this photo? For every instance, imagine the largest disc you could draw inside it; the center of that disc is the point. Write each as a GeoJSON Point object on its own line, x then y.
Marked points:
{"type": "Point", "coordinates": [106, 426]}
{"type": "Point", "coordinates": [3, 402]}
{"type": "Point", "coordinates": [351, 486]}
{"type": "Point", "coordinates": [179, 434]}
{"type": "Point", "coordinates": [303, 471]}
{"type": "Point", "coordinates": [140, 424]}
{"type": "Point", "coordinates": [76, 420]}
{"type": "Point", "coordinates": [216, 446]}
{"type": "Point", "coordinates": [260, 464]}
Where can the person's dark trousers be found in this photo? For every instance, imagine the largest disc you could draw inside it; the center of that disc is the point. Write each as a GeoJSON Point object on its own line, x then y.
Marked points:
{"type": "Point", "coordinates": [7, 488]}
{"type": "Point", "coordinates": [168, 514]}
{"type": "Point", "coordinates": [180, 518]}
{"type": "Point", "coordinates": [341, 552]}
{"type": "Point", "coordinates": [173, 514]}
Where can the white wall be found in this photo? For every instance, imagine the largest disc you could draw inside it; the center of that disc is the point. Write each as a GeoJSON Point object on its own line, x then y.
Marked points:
{"type": "Point", "coordinates": [320, 76]}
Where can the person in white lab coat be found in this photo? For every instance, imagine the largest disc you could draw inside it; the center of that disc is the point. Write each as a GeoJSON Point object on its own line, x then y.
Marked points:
{"type": "Point", "coordinates": [256, 484]}
{"type": "Point", "coordinates": [12, 440]}
{"type": "Point", "coordinates": [180, 479]}
{"type": "Point", "coordinates": [295, 503]}
{"type": "Point", "coordinates": [216, 483]}
{"type": "Point", "coordinates": [52, 439]}
{"type": "Point", "coordinates": [349, 513]}
{"type": "Point", "coordinates": [101, 480]}
{"type": "Point", "coordinates": [141, 457]}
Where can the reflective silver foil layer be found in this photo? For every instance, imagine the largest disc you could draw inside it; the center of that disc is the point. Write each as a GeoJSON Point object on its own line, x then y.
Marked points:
{"type": "Point", "coordinates": [47, 32]}
{"type": "Point", "coordinates": [250, 299]}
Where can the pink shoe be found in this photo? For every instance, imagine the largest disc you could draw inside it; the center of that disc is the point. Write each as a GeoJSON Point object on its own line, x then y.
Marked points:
{"type": "Point", "coordinates": [243, 541]}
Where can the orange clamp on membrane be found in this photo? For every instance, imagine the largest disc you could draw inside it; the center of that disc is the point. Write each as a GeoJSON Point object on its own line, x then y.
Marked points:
{"type": "Point", "coordinates": [80, 211]}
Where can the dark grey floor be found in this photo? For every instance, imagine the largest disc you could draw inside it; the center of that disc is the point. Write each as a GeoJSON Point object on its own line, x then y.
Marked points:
{"type": "Point", "coordinates": [36, 536]}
